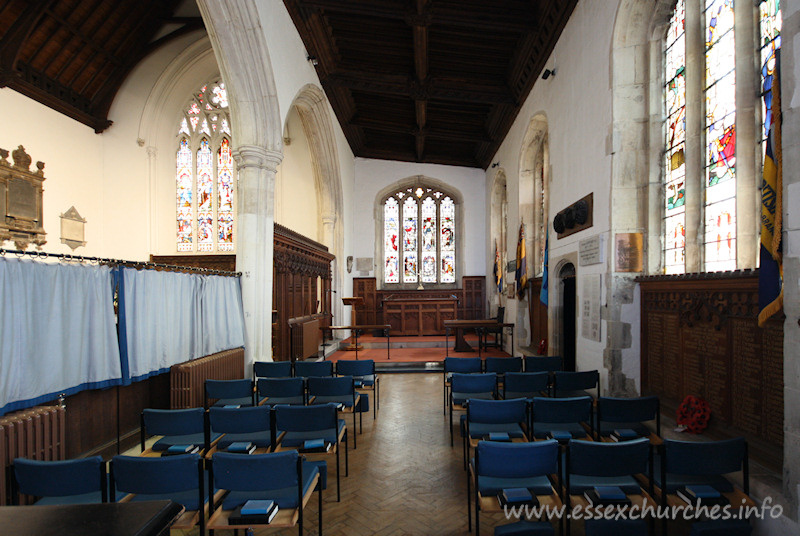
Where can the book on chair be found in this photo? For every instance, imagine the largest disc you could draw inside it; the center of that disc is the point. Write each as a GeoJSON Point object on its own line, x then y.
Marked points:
{"type": "Point", "coordinates": [315, 445]}
{"type": "Point", "coordinates": [624, 434]}
{"type": "Point", "coordinates": [173, 450]}
{"type": "Point", "coordinates": [606, 495]}
{"type": "Point", "coordinates": [702, 495]}
{"type": "Point", "coordinates": [562, 436]}
{"type": "Point", "coordinates": [497, 436]}
{"type": "Point", "coordinates": [517, 497]}
{"type": "Point", "coordinates": [241, 447]}
{"type": "Point", "coordinates": [260, 512]}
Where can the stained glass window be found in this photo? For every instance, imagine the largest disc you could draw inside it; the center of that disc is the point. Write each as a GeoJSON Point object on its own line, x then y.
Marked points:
{"type": "Point", "coordinates": [770, 23]}
{"type": "Point", "coordinates": [205, 183]}
{"type": "Point", "coordinates": [675, 143]}
{"type": "Point", "coordinates": [419, 231]}
{"type": "Point", "coordinates": [720, 136]}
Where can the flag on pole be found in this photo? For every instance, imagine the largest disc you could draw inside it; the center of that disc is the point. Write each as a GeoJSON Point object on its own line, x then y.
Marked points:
{"type": "Point", "coordinates": [770, 272]}
{"type": "Point", "coordinates": [543, 291]}
{"type": "Point", "coordinates": [498, 269]}
{"type": "Point", "coordinates": [522, 265]}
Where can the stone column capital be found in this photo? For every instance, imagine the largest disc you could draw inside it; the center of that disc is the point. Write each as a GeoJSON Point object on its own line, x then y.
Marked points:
{"type": "Point", "coordinates": [328, 218]}
{"type": "Point", "coordinates": [254, 156]}
{"type": "Point", "coordinates": [152, 151]}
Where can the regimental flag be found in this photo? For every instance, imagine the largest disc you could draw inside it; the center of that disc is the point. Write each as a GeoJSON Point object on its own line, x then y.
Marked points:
{"type": "Point", "coordinates": [498, 269]}
{"type": "Point", "coordinates": [522, 264]}
{"type": "Point", "coordinates": [543, 291]}
{"type": "Point", "coordinates": [770, 273]}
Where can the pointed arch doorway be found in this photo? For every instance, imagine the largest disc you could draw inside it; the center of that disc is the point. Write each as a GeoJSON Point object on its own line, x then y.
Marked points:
{"type": "Point", "coordinates": [568, 317]}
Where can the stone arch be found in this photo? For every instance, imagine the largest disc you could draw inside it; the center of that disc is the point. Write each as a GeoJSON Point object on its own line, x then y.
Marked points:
{"type": "Point", "coordinates": [239, 43]}
{"type": "Point", "coordinates": [452, 191]}
{"type": "Point", "coordinates": [312, 106]}
{"type": "Point", "coordinates": [534, 184]}
{"type": "Point", "coordinates": [499, 231]}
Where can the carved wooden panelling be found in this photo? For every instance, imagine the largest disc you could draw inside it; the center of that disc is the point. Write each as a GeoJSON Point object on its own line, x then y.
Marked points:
{"type": "Point", "coordinates": [700, 337]}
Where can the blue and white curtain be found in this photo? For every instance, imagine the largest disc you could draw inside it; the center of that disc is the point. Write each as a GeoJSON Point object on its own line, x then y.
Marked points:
{"type": "Point", "coordinates": [57, 331]}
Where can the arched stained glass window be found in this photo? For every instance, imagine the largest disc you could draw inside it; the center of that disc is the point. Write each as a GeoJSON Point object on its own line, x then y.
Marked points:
{"type": "Point", "coordinates": [205, 182]}
{"type": "Point", "coordinates": [770, 23]}
{"type": "Point", "coordinates": [675, 161]}
{"type": "Point", "coordinates": [426, 240]}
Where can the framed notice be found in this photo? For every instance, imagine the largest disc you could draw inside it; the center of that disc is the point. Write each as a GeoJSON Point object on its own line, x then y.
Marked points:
{"type": "Point", "coordinates": [628, 252]}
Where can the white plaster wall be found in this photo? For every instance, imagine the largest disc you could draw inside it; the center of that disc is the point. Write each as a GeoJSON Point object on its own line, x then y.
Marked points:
{"type": "Point", "coordinates": [577, 104]}
{"type": "Point", "coordinates": [295, 191]}
{"type": "Point", "coordinates": [373, 175]}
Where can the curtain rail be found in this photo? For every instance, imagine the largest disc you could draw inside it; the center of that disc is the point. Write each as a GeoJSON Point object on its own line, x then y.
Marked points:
{"type": "Point", "coordinates": [117, 262]}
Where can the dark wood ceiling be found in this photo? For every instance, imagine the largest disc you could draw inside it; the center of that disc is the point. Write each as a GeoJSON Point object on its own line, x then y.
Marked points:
{"type": "Point", "coordinates": [73, 55]}
{"type": "Point", "coordinates": [436, 81]}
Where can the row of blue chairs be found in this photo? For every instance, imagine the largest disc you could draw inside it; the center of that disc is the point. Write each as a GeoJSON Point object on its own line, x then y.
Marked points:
{"type": "Point", "coordinates": [268, 428]}
{"type": "Point", "coordinates": [561, 475]}
{"type": "Point", "coordinates": [208, 489]}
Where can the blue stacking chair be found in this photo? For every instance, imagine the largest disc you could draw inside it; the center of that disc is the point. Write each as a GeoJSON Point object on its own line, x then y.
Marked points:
{"type": "Point", "coordinates": [684, 463]}
{"type": "Point", "coordinates": [470, 386]}
{"type": "Point", "coordinates": [569, 384]}
{"type": "Point", "coordinates": [248, 425]}
{"type": "Point", "coordinates": [229, 392]}
{"type": "Point", "coordinates": [616, 527]}
{"type": "Point", "coordinates": [525, 384]}
{"type": "Point", "coordinates": [296, 424]}
{"type": "Point", "coordinates": [565, 415]}
{"type": "Point", "coordinates": [178, 478]}
{"type": "Point", "coordinates": [628, 413]}
{"type": "Point", "coordinates": [340, 390]}
{"type": "Point", "coordinates": [502, 365]}
{"type": "Point", "coordinates": [590, 464]}
{"type": "Point", "coordinates": [485, 417]}
{"type": "Point", "coordinates": [271, 391]}
{"type": "Point", "coordinates": [307, 369]}
{"type": "Point", "coordinates": [499, 466]}
{"type": "Point", "coordinates": [462, 365]}
{"type": "Point", "coordinates": [177, 426]}
{"type": "Point", "coordinates": [79, 481]}
{"type": "Point", "coordinates": [525, 528]}
{"type": "Point", "coordinates": [284, 477]}
{"type": "Point", "coordinates": [363, 372]}
{"type": "Point", "coordinates": [272, 369]}
{"type": "Point", "coordinates": [550, 363]}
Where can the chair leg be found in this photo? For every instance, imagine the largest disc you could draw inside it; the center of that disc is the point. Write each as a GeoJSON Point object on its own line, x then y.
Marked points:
{"type": "Point", "coordinates": [338, 475]}
{"type": "Point", "coordinates": [361, 421]}
{"type": "Point", "coordinates": [319, 493]}
{"type": "Point", "coordinates": [469, 503]}
{"type": "Point", "coordinates": [346, 456]}
{"type": "Point", "coordinates": [355, 434]}
{"type": "Point", "coordinates": [451, 424]}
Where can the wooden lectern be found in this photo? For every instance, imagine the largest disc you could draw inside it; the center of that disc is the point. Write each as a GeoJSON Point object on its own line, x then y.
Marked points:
{"type": "Point", "coordinates": [353, 302]}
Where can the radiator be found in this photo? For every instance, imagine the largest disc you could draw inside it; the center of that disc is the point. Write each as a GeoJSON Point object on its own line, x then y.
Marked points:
{"type": "Point", "coordinates": [306, 336]}
{"type": "Point", "coordinates": [186, 379]}
{"type": "Point", "coordinates": [36, 433]}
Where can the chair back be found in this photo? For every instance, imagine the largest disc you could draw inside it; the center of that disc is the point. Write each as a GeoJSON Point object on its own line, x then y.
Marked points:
{"type": "Point", "coordinates": [362, 367]}
{"type": "Point", "coordinates": [464, 365]}
{"type": "Point", "coordinates": [334, 386]}
{"type": "Point", "coordinates": [628, 410]}
{"type": "Point", "coordinates": [281, 387]}
{"type": "Point", "coordinates": [240, 420]}
{"type": "Point", "coordinates": [595, 458]}
{"type": "Point", "coordinates": [527, 384]}
{"type": "Point", "coordinates": [306, 418]}
{"type": "Point", "coordinates": [543, 364]}
{"type": "Point", "coordinates": [235, 472]}
{"type": "Point", "coordinates": [562, 410]}
{"type": "Point", "coordinates": [474, 383]}
{"type": "Point", "coordinates": [228, 389]}
{"type": "Point", "coordinates": [307, 369]}
{"type": "Point", "coordinates": [501, 365]}
{"type": "Point", "coordinates": [575, 381]}
{"type": "Point", "coordinates": [173, 421]}
{"type": "Point", "coordinates": [272, 369]}
{"type": "Point", "coordinates": [705, 458]}
{"type": "Point", "coordinates": [501, 314]}
{"type": "Point", "coordinates": [156, 476]}
{"type": "Point", "coordinates": [497, 411]}
{"type": "Point", "coordinates": [61, 478]}
{"type": "Point", "coordinates": [516, 460]}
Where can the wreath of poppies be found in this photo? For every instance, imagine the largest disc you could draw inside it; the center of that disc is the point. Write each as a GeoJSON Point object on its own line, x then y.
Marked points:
{"type": "Point", "coordinates": [694, 413]}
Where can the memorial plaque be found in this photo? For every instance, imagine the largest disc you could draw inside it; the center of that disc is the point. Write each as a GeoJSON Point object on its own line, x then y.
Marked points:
{"type": "Point", "coordinates": [590, 251]}
{"type": "Point", "coordinates": [693, 350]}
{"type": "Point", "coordinates": [628, 252]}
{"type": "Point", "coordinates": [654, 335]}
{"type": "Point", "coordinates": [747, 377]}
{"type": "Point", "coordinates": [772, 355]}
{"type": "Point", "coordinates": [673, 381]}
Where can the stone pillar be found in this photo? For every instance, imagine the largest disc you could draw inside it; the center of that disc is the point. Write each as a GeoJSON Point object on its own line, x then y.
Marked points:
{"type": "Point", "coordinates": [748, 148]}
{"type": "Point", "coordinates": [695, 122]}
{"type": "Point", "coordinates": [152, 198]}
{"type": "Point", "coordinates": [256, 169]}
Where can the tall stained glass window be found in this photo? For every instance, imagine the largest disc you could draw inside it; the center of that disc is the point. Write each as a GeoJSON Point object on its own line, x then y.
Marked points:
{"type": "Point", "coordinates": [770, 23]}
{"type": "Point", "coordinates": [720, 136]}
{"type": "Point", "coordinates": [205, 184]}
{"type": "Point", "coordinates": [675, 143]}
{"type": "Point", "coordinates": [419, 235]}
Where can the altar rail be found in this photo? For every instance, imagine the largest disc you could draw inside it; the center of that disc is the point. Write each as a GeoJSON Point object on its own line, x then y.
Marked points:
{"type": "Point", "coordinates": [187, 379]}
{"type": "Point", "coordinates": [700, 337]}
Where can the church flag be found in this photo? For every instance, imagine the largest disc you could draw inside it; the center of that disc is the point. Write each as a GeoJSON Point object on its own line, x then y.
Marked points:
{"type": "Point", "coordinates": [770, 272]}
{"type": "Point", "coordinates": [522, 264]}
{"type": "Point", "coordinates": [498, 269]}
{"type": "Point", "coordinates": [543, 291]}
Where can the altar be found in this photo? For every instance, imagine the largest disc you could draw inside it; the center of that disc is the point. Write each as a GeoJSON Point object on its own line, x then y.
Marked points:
{"type": "Point", "coordinates": [411, 316]}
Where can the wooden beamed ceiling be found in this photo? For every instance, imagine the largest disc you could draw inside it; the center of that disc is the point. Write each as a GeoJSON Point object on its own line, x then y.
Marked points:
{"type": "Point", "coordinates": [435, 81]}
{"type": "Point", "coordinates": [73, 55]}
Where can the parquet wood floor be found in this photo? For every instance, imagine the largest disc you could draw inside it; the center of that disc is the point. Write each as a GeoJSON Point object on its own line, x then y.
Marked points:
{"type": "Point", "coordinates": [405, 479]}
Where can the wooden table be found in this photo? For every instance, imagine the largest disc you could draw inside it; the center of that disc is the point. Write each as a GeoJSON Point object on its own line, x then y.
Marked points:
{"type": "Point", "coordinates": [459, 326]}
{"type": "Point", "coordinates": [411, 316]}
{"type": "Point", "coordinates": [145, 518]}
{"type": "Point", "coordinates": [357, 329]}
